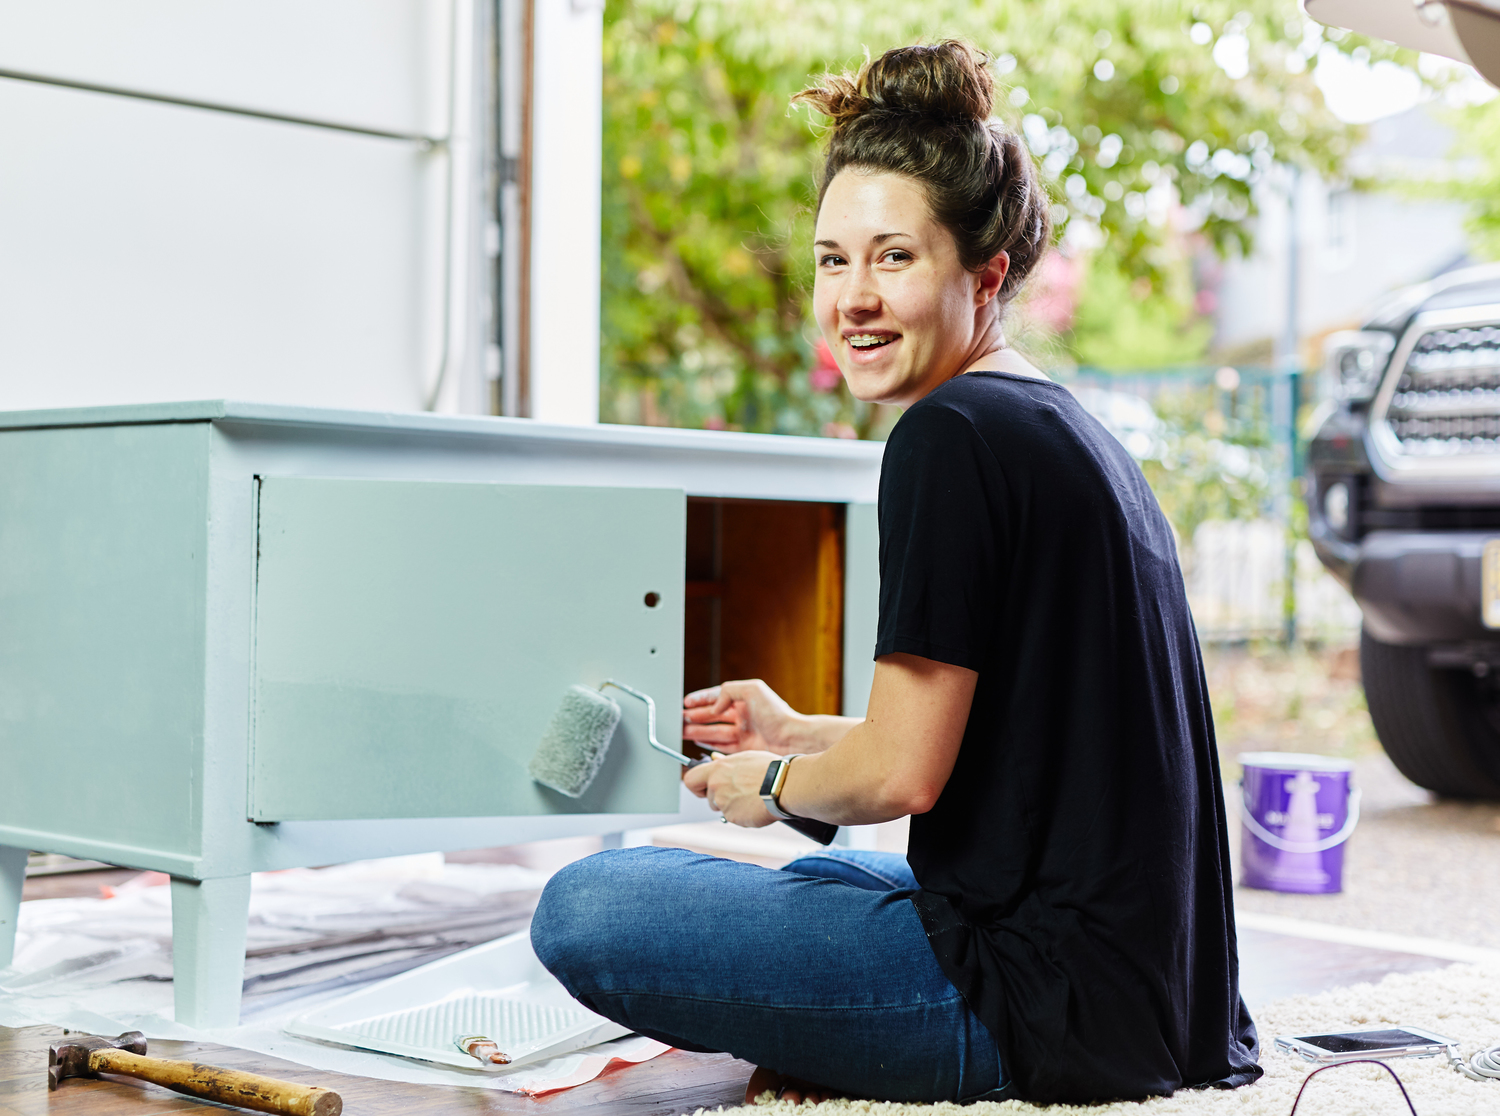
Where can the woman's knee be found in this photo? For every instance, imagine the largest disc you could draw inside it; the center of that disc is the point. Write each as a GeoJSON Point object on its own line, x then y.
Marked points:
{"type": "Point", "coordinates": [580, 917]}
{"type": "Point", "coordinates": [864, 868]}
{"type": "Point", "coordinates": [566, 916]}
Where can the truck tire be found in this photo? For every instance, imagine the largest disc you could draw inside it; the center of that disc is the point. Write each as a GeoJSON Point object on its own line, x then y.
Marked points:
{"type": "Point", "coordinates": [1441, 728]}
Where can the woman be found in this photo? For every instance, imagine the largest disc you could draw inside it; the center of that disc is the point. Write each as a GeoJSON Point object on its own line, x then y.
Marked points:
{"type": "Point", "coordinates": [1062, 928]}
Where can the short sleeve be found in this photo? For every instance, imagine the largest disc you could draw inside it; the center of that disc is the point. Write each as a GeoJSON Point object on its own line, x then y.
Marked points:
{"type": "Point", "coordinates": [943, 545]}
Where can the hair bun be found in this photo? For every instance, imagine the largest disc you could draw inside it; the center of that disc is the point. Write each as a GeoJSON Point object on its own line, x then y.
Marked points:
{"type": "Point", "coordinates": [949, 81]}
{"type": "Point", "coordinates": [925, 112]}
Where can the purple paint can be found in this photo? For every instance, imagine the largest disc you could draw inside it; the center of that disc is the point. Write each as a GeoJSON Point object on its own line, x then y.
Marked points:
{"type": "Point", "coordinates": [1297, 811]}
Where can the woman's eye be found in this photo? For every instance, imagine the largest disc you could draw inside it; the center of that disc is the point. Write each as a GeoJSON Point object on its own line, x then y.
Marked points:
{"type": "Point", "coordinates": [896, 255]}
{"type": "Point", "coordinates": [830, 261]}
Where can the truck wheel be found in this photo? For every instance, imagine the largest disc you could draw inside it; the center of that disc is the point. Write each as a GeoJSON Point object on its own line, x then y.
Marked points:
{"type": "Point", "coordinates": [1441, 728]}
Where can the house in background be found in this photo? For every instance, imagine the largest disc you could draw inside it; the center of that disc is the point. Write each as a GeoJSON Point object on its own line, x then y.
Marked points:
{"type": "Point", "coordinates": [1344, 244]}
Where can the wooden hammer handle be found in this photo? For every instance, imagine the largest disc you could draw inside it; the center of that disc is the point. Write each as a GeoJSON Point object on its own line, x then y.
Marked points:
{"type": "Point", "coordinates": [247, 1090]}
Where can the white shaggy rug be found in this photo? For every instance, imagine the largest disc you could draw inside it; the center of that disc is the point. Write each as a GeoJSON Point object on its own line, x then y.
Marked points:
{"type": "Point", "coordinates": [1461, 1002]}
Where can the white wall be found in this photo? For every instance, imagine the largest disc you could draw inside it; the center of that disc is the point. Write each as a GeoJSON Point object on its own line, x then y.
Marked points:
{"type": "Point", "coordinates": [370, 63]}
{"type": "Point", "coordinates": [150, 252]}
{"type": "Point", "coordinates": [567, 130]}
{"type": "Point", "coordinates": [153, 251]}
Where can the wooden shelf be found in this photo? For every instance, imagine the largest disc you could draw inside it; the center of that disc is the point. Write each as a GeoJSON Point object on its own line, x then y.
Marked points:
{"type": "Point", "coordinates": [765, 598]}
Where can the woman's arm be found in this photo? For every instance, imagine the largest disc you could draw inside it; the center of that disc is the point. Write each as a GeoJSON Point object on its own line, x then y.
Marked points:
{"type": "Point", "coordinates": [749, 716]}
{"type": "Point", "coordinates": [893, 763]}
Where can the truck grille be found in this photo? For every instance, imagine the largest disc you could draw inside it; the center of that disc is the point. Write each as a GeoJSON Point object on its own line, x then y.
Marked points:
{"type": "Point", "coordinates": [1447, 397]}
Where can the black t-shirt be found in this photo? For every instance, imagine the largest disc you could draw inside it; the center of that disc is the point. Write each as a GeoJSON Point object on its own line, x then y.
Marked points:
{"type": "Point", "coordinates": [1075, 870]}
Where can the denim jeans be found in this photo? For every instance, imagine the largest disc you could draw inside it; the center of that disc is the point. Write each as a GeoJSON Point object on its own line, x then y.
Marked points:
{"type": "Point", "coordinates": [821, 970]}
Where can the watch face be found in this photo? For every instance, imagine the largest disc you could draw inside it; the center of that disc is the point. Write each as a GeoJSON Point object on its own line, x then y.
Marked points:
{"type": "Point", "coordinates": [769, 781]}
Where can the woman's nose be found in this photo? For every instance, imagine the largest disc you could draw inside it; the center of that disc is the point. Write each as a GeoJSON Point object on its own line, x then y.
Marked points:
{"type": "Point", "coordinates": [859, 295]}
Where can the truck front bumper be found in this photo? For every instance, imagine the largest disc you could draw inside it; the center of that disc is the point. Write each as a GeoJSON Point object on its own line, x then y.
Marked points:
{"type": "Point", "coordinates": [1420, 587]}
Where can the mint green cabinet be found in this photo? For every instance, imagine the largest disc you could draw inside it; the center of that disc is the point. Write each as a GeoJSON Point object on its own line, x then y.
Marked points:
{"type": "Point", "coordinates": [408, 634]}
{"type": "Point", "coordinates": [243, 637]}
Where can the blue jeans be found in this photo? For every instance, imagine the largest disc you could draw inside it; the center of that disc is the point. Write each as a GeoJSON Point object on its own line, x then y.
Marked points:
{"type": "Point", "coordinates": [821, 971]}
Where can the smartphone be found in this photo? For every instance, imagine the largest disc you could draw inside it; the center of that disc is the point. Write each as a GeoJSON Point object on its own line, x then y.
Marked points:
{"type": "Point", "coordinates": [1380, 1041]}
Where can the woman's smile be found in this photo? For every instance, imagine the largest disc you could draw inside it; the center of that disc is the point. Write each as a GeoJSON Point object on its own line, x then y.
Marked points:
{"type": "Point", "coordinates": [868, 346]}
{"type": "Point", "coordinates": [898, 309]}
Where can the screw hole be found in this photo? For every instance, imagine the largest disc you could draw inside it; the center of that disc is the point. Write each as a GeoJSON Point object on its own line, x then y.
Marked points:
{"type": "Point", "coordinates": [653, 599]}
{"type": "Point", "coordinates": [653, 650]}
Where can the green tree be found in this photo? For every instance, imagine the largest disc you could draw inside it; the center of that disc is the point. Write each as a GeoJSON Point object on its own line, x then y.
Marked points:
{"type": "Point", "coordinates": [1478, 146]}
{"type": "Point", "coordinates": [1146, 118]}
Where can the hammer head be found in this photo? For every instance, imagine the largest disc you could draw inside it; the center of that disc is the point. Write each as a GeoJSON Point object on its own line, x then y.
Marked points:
{"type": "Point", "coordinates": [69, 1055]}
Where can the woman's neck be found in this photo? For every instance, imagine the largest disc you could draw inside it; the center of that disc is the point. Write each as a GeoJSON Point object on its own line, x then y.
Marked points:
{"type": "Point", "coordinates": [990, 340]}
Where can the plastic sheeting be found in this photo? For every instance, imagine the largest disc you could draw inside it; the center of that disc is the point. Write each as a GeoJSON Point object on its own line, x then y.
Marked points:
{"type": "Point", "coordinates": [104, 965]}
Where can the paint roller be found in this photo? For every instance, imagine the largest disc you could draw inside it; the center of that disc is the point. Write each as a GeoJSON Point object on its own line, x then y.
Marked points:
{"type": "Point", "coordinates": [573, 747]}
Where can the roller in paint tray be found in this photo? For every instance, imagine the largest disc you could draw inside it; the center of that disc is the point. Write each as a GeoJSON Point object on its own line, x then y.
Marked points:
{"type": "Point", "coordinates": [573, 748]}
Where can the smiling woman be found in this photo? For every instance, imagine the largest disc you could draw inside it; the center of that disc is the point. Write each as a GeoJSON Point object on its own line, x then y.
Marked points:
{"type": "Point", "coordinates": [1061, 927]}
{"type": "Point", "coordinates": [930, 218]}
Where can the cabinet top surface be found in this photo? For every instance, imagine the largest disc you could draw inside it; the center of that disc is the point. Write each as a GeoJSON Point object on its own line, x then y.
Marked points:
{"type": "Point", "coordinates": [465, 426]}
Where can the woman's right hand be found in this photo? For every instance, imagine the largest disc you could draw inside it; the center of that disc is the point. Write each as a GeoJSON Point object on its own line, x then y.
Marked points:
{"type": "Point", "coordinates": [746, 716]}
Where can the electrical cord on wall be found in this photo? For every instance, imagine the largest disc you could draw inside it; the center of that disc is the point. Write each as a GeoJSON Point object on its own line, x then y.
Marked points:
{"type": "Point", "coordinates": [1483, 1066]}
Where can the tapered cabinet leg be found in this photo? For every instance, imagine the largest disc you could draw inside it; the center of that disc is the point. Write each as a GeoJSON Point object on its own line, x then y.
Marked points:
{"type": "Point", "coordinates": [208, 949]}
{"type": "Point", "coordinates": [12, 880]}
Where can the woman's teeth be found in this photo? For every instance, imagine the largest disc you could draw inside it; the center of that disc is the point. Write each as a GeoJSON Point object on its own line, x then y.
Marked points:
{"type": "Point", "coordinates": [868, 340]}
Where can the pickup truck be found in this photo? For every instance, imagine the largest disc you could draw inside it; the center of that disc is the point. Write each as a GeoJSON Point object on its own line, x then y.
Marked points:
{"type": "Point", "coordinates": [1403, 496]}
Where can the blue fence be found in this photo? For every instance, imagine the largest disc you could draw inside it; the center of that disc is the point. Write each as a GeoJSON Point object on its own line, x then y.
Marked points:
{"type": "Point", "coordinates": [1221, 446]}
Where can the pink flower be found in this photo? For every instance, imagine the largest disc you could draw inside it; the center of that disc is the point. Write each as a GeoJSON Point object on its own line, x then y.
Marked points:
{"type": "Point", "coordinates": [825, 375]}
{"type": "Point", "coordinates": [839, 430]}
{"type": "Point", "coordinates": [713, 422]}
{"type": "Point", "coordinates": [1054, 295]}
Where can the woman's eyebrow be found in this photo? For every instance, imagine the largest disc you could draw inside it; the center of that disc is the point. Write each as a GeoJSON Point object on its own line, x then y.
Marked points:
{"type": "Point", "coordinates": [878, 238]}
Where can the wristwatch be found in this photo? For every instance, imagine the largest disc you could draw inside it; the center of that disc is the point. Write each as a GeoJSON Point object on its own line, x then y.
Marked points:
{"type": "Point", "coordinates": [770, 786]}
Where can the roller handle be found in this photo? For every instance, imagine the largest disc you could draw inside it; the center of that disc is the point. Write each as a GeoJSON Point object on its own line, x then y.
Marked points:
{"type": "Point", "coordinates": [247, 1090]}
{"type": "Point", "coordinates": [820, 831]}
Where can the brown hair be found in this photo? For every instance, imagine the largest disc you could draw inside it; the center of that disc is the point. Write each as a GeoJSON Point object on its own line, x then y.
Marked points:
{"type": "Point", "coordinates": [924, 112]}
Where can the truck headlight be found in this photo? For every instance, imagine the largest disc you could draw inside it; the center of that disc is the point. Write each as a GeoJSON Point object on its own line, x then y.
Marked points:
{"type": "Point", "coordinates": [1336, 507]}
{"type": "Point", "coordinates": [1356, 360]}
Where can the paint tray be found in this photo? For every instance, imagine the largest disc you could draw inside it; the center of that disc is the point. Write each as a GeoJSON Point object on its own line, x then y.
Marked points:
{"type": "Point", "coordinates": [499, 990]}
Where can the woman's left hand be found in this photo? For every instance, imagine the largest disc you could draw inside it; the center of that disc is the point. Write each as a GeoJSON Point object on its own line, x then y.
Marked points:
{"type": "Point", "coordinates": [731, 783]}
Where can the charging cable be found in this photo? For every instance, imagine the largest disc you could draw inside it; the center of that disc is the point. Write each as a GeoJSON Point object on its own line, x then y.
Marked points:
{"type": "Point", "coordinates": [1483, 1066]}
{"type": "Point", "coordinates": [1355, 1062]}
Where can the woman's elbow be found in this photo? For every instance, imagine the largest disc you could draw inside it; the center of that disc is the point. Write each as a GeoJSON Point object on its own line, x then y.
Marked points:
{"type": "Point", "coordinates": [909, 797]}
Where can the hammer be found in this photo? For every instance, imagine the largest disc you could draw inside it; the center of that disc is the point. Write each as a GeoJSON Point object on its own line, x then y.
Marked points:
{"type": "Point", "coordinates": [89, 1056]}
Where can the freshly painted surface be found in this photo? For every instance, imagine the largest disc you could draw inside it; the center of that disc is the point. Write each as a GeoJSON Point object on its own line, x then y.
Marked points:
{"type": "Point", "coordinates": [413, 639]}
{"type": "Point", "coordinates": [128, 653]}
{"type": "Point", "coordinates": [208, 949]}
{"type": "Point", "coordinates": [861, 605]}
{"type": "Point", "coordinates": [12, 882]}
{"type": "Point", "coordinates": [102, 616]}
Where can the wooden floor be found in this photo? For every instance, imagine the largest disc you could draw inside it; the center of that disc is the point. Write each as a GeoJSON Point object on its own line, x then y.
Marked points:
{"type": "Point", "coordinates": [674, 1083]}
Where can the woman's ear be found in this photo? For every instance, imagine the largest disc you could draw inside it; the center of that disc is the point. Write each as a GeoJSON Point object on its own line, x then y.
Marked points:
{"type": "Point", "coordinates": [991, 278]}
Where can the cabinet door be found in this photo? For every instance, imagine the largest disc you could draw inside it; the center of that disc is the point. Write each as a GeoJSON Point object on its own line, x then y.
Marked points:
{"type": "Point", "coordinates": [413, 639]}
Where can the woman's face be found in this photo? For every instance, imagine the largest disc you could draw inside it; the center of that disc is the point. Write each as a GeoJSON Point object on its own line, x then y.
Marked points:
{"type": "Point", "coordinates": [897, 308]}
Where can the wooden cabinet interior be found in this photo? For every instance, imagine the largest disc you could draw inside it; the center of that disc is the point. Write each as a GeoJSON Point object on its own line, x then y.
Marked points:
{"type": "Point", "coordinates": [765, 598]}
